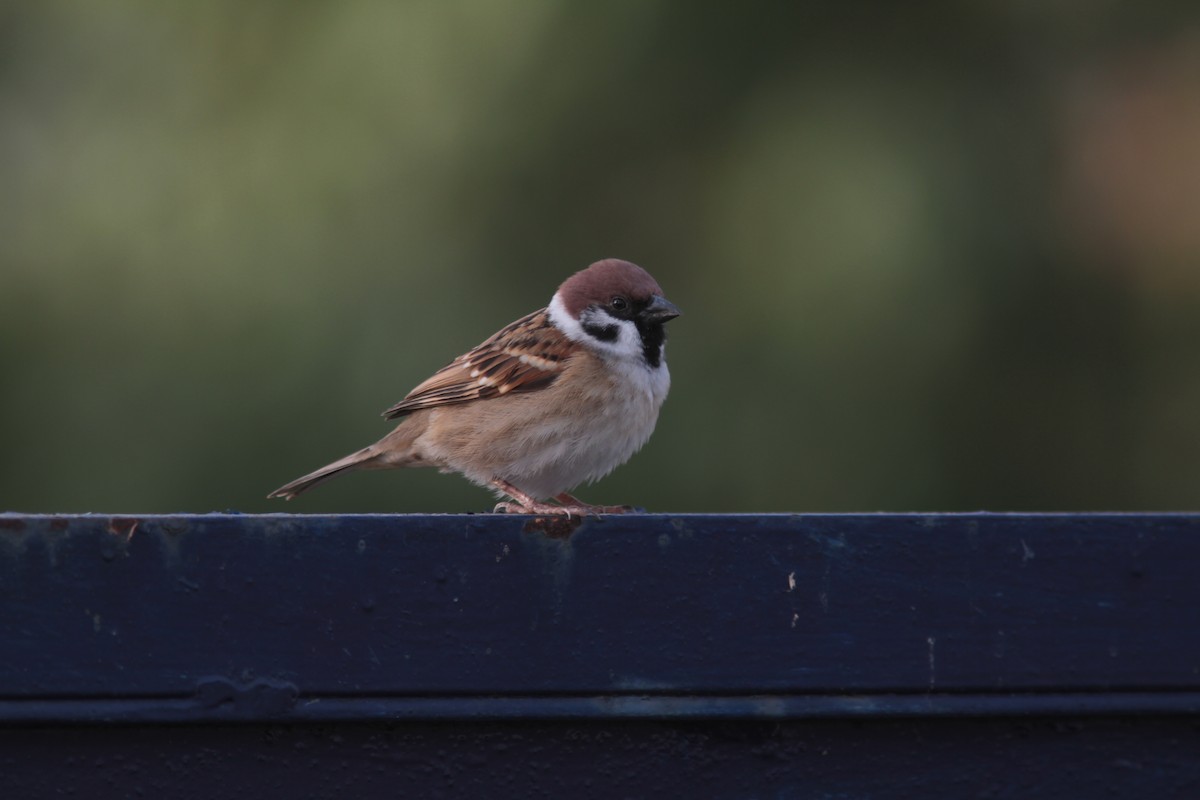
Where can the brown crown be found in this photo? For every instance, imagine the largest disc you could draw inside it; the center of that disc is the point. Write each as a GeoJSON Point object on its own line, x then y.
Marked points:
{"type": "Point", "coordinates": [603, 281]}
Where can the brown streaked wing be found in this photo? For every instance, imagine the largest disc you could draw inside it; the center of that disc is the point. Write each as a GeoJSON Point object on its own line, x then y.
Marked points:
{"type": "Point", "coordinates": [521, 357]}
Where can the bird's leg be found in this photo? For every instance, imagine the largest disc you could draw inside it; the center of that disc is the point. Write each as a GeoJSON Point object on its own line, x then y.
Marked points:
{"type": "Point", "coordinates": [587, 509]}
{"type": "Point", "coordinates": [526, 504]}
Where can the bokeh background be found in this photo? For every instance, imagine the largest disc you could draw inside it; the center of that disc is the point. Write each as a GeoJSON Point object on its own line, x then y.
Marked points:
{"type": "Point", "coordinates": [931, 255]}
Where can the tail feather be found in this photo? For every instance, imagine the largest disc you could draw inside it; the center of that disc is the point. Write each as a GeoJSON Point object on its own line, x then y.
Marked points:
{"type": "Point", "coordinates": [363, 459]}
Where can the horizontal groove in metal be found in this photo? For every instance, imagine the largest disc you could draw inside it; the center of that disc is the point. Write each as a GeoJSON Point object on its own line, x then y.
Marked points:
{"type": "Point", "coordinates": [337, 709]}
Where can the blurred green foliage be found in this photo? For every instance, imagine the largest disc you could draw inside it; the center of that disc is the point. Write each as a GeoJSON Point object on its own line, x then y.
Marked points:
{"type": "Point", "coordinates": [931, 256]}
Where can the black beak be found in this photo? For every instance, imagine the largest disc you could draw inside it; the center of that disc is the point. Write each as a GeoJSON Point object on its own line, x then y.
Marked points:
{"type": "Point", "coordinates": [660, 310]}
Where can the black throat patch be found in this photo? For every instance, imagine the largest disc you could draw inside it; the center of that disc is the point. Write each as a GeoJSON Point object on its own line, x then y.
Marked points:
{"type": "Point", "coordinates": [653, 335]}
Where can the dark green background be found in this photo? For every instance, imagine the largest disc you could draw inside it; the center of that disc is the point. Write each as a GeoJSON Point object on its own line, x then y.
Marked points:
{"type": "Point", "coordinates": [931, 255]}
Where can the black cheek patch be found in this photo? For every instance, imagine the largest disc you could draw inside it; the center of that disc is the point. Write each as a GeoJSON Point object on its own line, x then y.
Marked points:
{"type": "Point", "coordinates": [605, 333]}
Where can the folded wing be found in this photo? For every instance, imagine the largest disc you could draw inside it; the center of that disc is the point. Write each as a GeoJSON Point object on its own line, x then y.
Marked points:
{"type": "Point", "coordinates": [527, 355]}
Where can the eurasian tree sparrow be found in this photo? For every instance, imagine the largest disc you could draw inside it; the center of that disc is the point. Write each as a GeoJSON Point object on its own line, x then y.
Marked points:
{"type": "Point", "coordinates": [559, 397]}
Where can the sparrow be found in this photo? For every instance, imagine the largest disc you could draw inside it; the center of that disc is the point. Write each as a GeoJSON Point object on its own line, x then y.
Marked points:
{"type": "Point", "coordinates": [560, 397]}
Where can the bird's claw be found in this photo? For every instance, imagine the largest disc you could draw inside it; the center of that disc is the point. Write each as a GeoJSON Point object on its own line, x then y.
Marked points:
{"type": "Point", "coordinates": [506, 507]}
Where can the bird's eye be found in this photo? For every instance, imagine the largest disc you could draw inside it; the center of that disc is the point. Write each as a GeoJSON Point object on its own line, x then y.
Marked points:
{"type": "Point", "coordinates": [618, 303]}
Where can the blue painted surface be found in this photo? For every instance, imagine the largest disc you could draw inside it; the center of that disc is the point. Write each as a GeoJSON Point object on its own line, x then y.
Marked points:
{"type": "Point", "coordinates": [870, 627]}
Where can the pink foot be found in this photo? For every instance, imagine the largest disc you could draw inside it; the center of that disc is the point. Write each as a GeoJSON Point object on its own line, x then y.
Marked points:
{"type": "Point", "coordinates": [587, 509]}
{"type": "Point", "coordinates": [534, 508]}
{"type": "Point", "coordinates": [569, 506]}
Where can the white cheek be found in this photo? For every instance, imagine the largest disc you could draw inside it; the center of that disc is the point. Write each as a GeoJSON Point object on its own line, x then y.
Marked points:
{"type": "Point", "coordinates": [627, 345]}
{"type": "Point", "coordinates": [561, 319]}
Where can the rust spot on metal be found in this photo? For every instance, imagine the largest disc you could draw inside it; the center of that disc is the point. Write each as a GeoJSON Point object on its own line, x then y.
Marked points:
{"type": "Point", "coordinates": [558, 526]}
{"type": "Point", "coordinates": [12, 524]}
{"type": "Point", "coordinates": [123, 526]}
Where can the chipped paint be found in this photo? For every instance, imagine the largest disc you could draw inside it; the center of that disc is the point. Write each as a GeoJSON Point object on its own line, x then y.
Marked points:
{"type": "Point", "coordinates": [124, 527]}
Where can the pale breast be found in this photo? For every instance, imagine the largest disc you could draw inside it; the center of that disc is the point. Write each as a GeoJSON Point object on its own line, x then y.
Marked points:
{"type": "Point", "coordinates": [577, 429]}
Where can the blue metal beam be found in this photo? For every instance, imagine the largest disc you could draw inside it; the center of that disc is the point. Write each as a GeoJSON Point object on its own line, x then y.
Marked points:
{"type": "Point", "coordinates": [284, 617]}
